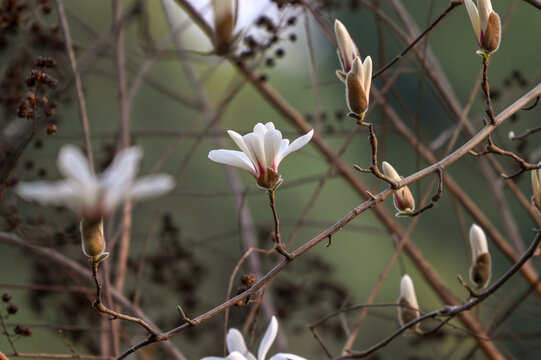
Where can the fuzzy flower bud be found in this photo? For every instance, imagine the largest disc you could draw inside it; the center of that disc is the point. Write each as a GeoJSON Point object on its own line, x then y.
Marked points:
{"type": "Point", "coordinates": [93, 241]}
{"type": "Point", "coordinates": [409, 308]}
{"type": "Point", "coordinates": [347, 50]}
{"type": "Point", "coordinates": [358, 82]}
{"type": "Point", "coordinates": [486, 24]}
{"type": "Point", "coordinates": [480, 270]}
{"type": "Point", "coordinates": [403, 199]}
{"type": "Point", "coordinates": [225, 20]}
{"type": "Point", "coordinates": [536, 186]}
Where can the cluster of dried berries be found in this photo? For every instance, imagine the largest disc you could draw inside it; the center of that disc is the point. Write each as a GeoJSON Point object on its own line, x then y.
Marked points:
{"type": "Point", "coordinates": [10, 14]}
{"type": "Point", "coordinates": [11, 310]}
{"type": "Point", "coordinates": [37, 81]}
{"type": "Point", "coordinates": [247, 281]}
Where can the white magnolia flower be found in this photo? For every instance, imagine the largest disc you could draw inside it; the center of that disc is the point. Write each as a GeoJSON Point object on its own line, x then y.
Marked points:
{"type": "Point", "coordinates": [486, 24]}
{"type": "Point", "coordinates": [480, 269]}
{"type": "Point", "coordinates": [238, 351]}
{"type": "Point", "coordinates": [358, 82]}
{"type": "Point", "coordinates": [536, 187]}
{"type": "Point", "coordinates": [409, 308]}
{"type": "Point", "coordinates": [93, 197]}
{"type": "Point", "coordinates": [347, 50]}
{"type": "Point", "coordinates": [262, 151]}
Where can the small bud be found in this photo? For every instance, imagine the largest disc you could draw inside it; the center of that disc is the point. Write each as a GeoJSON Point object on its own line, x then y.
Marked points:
{"type": "Point", "coordinates": [93, 241]}
{"type": "Point", "coordinates": [225, 19]}
{"type": "Point", "coordinates": [536, 187]}
{"type": "Point", "coordinates": [358, 82]}
{"type": "Point", "coordinates": [408, 309]}
{"type": "Point", "coordinates": [480, 270]}
{"type": "Point", "coordinates": [269, 180]}
{"type": "Point", "coordinates": [511, 135]}
{"type": "Point", "coordinates": [404, 201]}
{"type": "Point", "coordinates": [248, 279]}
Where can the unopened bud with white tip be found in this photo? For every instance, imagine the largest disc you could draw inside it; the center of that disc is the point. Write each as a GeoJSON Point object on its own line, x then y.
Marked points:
{"type": "Point", "coordinates": [347, 50]}
{"type": "Point", "coordinates": [404, 201]}
{"type": "Point", "coordinates": [480, 269]}
{"type": "Point", "coordinates": [225, 20]}
{"type": "Point", "coordinates": [358, 82]}
{"type": "Point", "coordinates": [408, 309]}
{"type": "Point", "coordinates": [536, 187]}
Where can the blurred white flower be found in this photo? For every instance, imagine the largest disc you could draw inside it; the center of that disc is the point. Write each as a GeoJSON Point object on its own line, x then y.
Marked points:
{"type": "Point", "coordinates": [94, 197]}
{"type": "Point", "coordinates": [486, 24]}
{"type": "Point", "coordinates": [347, 50]}
{"type": "Point", "coordinates": [358, 82]}
{"type": "Point", "coordinates": [480, 269]}
{"type": "Point", "coordinates": [238, 351]}
{"type": "Point", "coordinates": [262, 151]}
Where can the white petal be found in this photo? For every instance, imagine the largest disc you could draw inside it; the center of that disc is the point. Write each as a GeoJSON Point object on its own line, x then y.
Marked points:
{"type": "Point", "coordinates": [390, 172]}
{"type": "Point", "coordinates": [123, 169]}
{"type": "Point", "coordinates": [255, 143]}
{"type": "Point", "coordinates": [213, 358]}
{"type": "Point", "coordinates": [235, 341]}
{"type": "Point", "coordinates": [285, 356]}
{"type": "Point", "coordinates": [474, 17]}
{"type": "Point", "coordinates": [367, 72]}
{"type": "Point", "coordinates": [357, 69]}
{"type": "Point", "coordinates": [268, 339]}
{"type": "Point", "coordinates": [233, 158]}
{"type": "Point", "coordinates": [296, 145]}
{"type": "Point", "coordinates": [259, 128]}
{"type": "Point", "coordinates": [239, 140]}
{"type": "Point", "coordinates": [150, 186]}
{"type": "Point", "coordinates": [484, 10]}
{"type": "Point", "coordinates": [236, 356]}
{"type": "Point", "coordinates": [478, 242]}
{"type": "Point", "coordinates": [270, 126]}
{"type": "Point", "coordinates": [49, 193]}
{"type": "Point", "coordinates": [407, 291]}
{"type": "Point", "coordinates": [273, 140]}
{"type": "Point", "coordinates": [73, 164]}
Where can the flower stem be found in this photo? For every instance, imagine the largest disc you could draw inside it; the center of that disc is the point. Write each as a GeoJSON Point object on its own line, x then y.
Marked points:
{"type": "Point", "coordinates": [278, 245]}
{"type": "Point", "coordinates": [486, 89]}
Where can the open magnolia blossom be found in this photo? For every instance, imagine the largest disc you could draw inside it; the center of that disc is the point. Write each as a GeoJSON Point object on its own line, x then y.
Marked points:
{"type": "Point", "coordinates": [404, 201]}
{"type": "Point", "coordinates": [347, 50]}
{"type": "Point", "coordinates": [93, 197]}
{"type": "Point", "coordinates": [486, 24]}
{"type": "Point", "coordinates": [409, 308]}
{"type": "Point", "coordinates": [237, 349]}
{"type": "Point", "coordinates": [358, 82]}
{"type": "Point", "coordinates": [262, 151]}
{"type": "Point", "coordinates": [225, 20]}
{"type": "Point", "coordinates": [480, 269]}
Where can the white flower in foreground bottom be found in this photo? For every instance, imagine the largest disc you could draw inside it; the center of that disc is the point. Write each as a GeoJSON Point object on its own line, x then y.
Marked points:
{"type": "Point", "coordinates": [238, 351]}
{"type": "Point", "coordinates": [262, 151]}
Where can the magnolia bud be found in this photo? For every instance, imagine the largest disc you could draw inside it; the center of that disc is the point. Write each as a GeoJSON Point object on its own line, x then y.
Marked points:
{"type": "Point", "coordinates": [408, 309]}
{"type": "Point", "coordinates": [511, 135]}
{"type": "Point", "coordinates": [480, 270]}
{"type": "Point", "coordinates": [491, 37]}
{"type": "Point", "coordinates": [225, 19]}
{"type": "Point", "coordinates": [358, 82]}
{"type": "Point", "coordinates": [404, 201]}
{"type": "Point", "coordinates": [270, 179]}
{"type": "Point", "coordinates": [536, 187]}
{"type": "Point", "coordinates": [92, 237]}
